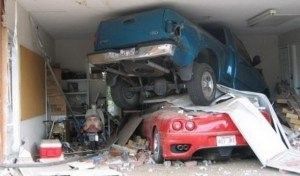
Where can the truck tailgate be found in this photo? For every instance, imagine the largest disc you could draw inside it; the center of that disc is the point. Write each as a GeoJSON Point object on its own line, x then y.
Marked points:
{"type": "Point", "coordinates": [131, 30]}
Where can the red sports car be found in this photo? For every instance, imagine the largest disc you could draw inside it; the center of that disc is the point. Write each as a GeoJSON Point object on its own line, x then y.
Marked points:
{"type": "Point", "coordinates": [178, 135]}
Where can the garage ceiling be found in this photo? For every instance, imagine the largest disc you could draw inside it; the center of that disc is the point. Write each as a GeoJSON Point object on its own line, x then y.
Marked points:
{"type": "Point", "coordinates": [74, 18]}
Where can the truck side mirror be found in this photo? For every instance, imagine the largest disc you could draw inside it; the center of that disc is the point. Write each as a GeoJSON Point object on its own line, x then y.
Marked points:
{"type": "Point", "coordinates": [256, 60]}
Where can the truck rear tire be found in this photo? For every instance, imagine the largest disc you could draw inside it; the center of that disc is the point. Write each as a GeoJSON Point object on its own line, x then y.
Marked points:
{"type": "Point", "coordinates": [202, 86]}
{"type": "Point", "coordinates": [122, 97]}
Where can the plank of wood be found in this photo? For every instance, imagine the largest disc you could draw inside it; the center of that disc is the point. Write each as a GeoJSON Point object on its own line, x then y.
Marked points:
{"type": "Point", "coordinates": [295, 121]}
{"type": "Point", "coordinates": [291, 116]}
{"type": "Point", "coordinates": [129, 128]}
{"type": "Point", "coordinates": [281, 101]}
{"type": "Point", "coordinates": [285, 110]}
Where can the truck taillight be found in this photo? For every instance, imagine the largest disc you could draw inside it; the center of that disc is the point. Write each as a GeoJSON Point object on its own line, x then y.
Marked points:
{"type": "Point", "coordinates": [190, 125]}
{"type": "Point", "coordinates": [177, 125]}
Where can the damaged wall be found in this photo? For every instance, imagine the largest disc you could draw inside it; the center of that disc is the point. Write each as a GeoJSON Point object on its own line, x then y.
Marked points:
{"type": "Point", "coordinates": [266, 46]}
{"type": "Point", "coordinates": [32, 129]}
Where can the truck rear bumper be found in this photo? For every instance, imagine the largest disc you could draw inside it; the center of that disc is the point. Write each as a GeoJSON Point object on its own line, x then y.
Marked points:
{"type": "Point", "coordinates": [144, 52]}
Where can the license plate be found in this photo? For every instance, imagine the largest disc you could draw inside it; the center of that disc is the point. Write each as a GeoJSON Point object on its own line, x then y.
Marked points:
{"type": "Point", "coordinates": [127, 52]}
{"type": "Point", "coordinates": [226, 140]}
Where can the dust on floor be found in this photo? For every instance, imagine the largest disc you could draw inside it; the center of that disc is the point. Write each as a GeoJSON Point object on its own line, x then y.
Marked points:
{"type": "Point", "coordinates": [236, 167]}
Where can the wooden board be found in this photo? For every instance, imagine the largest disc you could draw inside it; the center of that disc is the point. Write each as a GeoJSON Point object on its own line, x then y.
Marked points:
{"type": "Point", "coordinates": [32, 84]}
{"type": "Point", "coordinates": [128, 129]}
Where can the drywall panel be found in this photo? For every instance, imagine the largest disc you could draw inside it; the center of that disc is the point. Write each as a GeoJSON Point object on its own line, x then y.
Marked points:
{"type": "Point", "coordinates": [32, 84]}
{"type": "Point", "coordinates": [266, 46]}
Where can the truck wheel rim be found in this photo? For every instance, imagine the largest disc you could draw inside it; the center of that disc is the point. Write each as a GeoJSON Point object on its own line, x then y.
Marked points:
{"type": "Point", "coordinates": [207, 84]}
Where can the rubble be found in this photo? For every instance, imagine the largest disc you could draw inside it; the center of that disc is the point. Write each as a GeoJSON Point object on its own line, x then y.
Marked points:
{"type": "Point", "coordinates": [167, 163]}
{"type": "Point", "coordinates": [288, 107]}
{"type": "Point", "coordinates": [190, 163]}
{"type": "Point", "coordinates": [131, 152]}
{"type": "Point", "coordinates": [177, 164]}
{"type": "Point", "coordinates": [138, 143]}
{"type": "Point", "coordinates": [206, 162]}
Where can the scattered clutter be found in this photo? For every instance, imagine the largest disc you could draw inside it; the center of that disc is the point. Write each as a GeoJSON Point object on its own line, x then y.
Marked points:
{"type": "Point", "coordinates": [133, 152]}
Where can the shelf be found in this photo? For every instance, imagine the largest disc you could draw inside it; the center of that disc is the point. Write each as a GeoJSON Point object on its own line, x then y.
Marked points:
{"type": "Point", "coordinates": [74, 80]}
{"type": "Point", "coordinates": [75, 93]}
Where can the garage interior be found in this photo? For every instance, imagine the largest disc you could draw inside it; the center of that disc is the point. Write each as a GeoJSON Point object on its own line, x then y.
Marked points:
{"type": "Point", "coordinates": [35, 105]}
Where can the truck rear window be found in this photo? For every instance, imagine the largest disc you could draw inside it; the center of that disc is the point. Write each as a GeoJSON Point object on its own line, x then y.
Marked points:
{"type": "Point", "coordinates": [216, 32]}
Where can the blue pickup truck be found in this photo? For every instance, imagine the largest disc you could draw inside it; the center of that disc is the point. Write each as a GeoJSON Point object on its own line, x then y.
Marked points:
{"type": "Point", "coordinates": [159, 52]}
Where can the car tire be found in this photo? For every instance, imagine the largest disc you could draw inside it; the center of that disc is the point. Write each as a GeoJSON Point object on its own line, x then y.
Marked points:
{"type": "Point", "coordinates": [157, 148]}
{"type": "Point", "coordinates": [202, 86]}
{"type": "Point", "coordinates": [122, 97]}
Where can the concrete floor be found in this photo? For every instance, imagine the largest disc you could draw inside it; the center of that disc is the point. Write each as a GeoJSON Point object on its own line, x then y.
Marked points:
{"type": "Point", "coordinates": [237, 167]}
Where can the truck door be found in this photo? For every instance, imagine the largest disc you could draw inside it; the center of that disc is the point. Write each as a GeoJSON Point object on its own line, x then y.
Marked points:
{"type": "Point", "coordinates": [246, 77]}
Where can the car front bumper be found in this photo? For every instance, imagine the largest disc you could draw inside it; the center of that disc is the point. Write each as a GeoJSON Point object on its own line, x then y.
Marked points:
{"type": "Point", "coordinates": [196, 141]}
{"type": "Point", "coordinates": [143, 52]}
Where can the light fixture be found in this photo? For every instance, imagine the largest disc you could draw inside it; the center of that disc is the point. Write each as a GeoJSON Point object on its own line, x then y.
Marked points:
{"type": "Point", "coordinates": [269, 18]}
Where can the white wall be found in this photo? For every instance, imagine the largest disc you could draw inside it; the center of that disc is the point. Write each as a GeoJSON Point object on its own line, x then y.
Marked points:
{"type": "Point", "coordinates": [71, 53]}
{"type": "Point", "coordinates": [266, 46]}
{"type": "Point", "coordinates": [289, 38]}
{"type": "Point", "coordinates": [32, 130]}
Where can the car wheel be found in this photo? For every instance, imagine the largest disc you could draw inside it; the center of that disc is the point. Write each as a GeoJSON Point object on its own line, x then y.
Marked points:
{"type": "Point", "coordinates": [122, 97]}
{"type": "Point", "coordinates": [157, 148]}
{"type": "Point", "coordinates": [202, 86]}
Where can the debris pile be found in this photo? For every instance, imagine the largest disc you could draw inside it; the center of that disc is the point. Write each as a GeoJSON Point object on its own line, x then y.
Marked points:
{"type": "Point", "coordinates": [288, 107]}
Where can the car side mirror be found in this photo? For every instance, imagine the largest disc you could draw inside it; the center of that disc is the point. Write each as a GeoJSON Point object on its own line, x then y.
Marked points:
{"type": "Point", "coordinates": [256, 60]}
